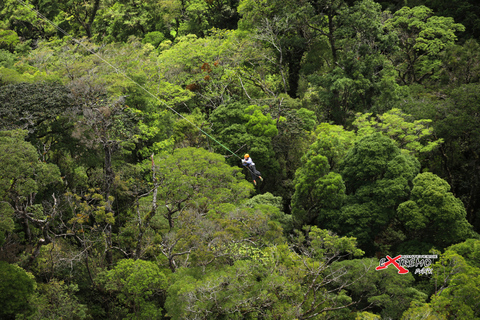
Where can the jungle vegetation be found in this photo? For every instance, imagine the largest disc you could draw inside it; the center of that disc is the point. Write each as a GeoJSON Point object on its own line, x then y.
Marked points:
{"type": "Point", "coordinates": [123, 123]}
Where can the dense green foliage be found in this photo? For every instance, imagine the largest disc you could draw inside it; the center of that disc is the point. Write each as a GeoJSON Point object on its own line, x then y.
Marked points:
{"type": "Point", "coordinates": [122, 127]}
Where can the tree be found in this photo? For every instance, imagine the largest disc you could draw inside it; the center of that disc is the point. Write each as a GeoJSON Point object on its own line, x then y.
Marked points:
{"type": "Point", "coordinates": [8, 40]}
{"type": "Point", "coordinates": [56, 299]}
{"type": "Point", "coordinates": [456, 279]}
{"type": "Point", "coordinates": [198, 178]}
{"type": "Point", "coordinates": [16, 288]}
{"type": "Point", "coordinates": [456, 159]}
{"type": "Point", "coordinates": [31, 105]}
{"type": "Point", "coordinates": [116, 21]}
{"type": "Point", "coordinates": [278, 25]}
{"type": "Point", "coordinates": [465, 12]}
{"type": "Point", "coordinates": [422, 37]}
{"type": "Point", "coordinates": [461, 63]}
{"type": "Point", "coordinates": [409, 134]}
{"type": "Point", "coordinates": [318, 185]}
{"type": "Point", "coordinates": [377, 179]}
{"type": "Point", "coordinates": [25, 179]}
{"type": "Point", "coordinates": [138, 286]}
{"type": "Point", "coordinates": [347, 69]}
{"type": "Point", "coordinates": [215, 70]}
{"type": "Point", "coordinates": [83, 13]}
{"type": "Point", "coordinates": [382, 292]}
{"type": "Point", "coordinates": [433, 213]}
{"type": "Point", "coordinates": [187, 185]}
{"type": "Point", "coordinates": [273, 282]}
{"type": "Point", "coordinates": [247, 128]}
{"type": "Point", "coordinates": [21, 19]}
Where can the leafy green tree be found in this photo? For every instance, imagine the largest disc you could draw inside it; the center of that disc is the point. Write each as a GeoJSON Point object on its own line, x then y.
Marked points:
{"type": "Point", "coordinates": [21, 19]}
{"type": "Point", "coordinates": [8, 40]}
{"type": "Point", "coordinates": [278, 25]}
{"type": "Point", "coordinates": [24, 178]}
{"type": "Point", "coordinates": [395, 124]}
{"type": "Point", "coordinates": [456, 281]}
{"type": "Point", "coordinates": [465, 12]}
{"type": "Point", "coordinates": [16, 288]}
{"type": "Point", "coordinates": [196, 177]}
{"type": "Point", "coordinates": [83, 14]}
{"type": "Point", "coordinates": [187, 184]}
{"type": "Point", "coordinates": [7, 60]}
{"type": "Point", "coordinates": [461, 63]}
{"type": "Point", "coordinates": [381, 292]}
{"type": "Point", "coordinates": [456, 159]}
{"type": "Point", "coordinates": [377, 179]}
{"type": "Point", "coordinates": [274, 205]}
{"type": "Point", "coordinates": [138, 286]}
{"type": "Point", "coordinates": [362, 76]}
{"type": "Point", "coordinates": [215, 69]}
{"type": "Point", "coordinates": [422, 37]}
{"type": "Point", "coordinates": [269, 283]}
{"type": "Point", "coordinates": [197, 16]}
{"type": "Point", "coordinates": [56, 299]}
{"type": "Point", "coordinates": [295, 128]}
{"type": "Point", "coordinates": [318, 185]}
{"type": "Point", "coordinates": [434, 213]}
{"type": "Point", "coordinates": [116, 21]}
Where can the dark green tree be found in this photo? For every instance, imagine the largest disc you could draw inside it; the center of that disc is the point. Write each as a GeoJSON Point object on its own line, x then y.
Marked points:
{"type": "Point", "coordinates": [16, 288]}
{"type": "Point", "coordinates": [318, 184]}
{"type": "Point", "coordinates": [377, 178]}
{"type": "Point", "coordinates": [383, 292]}
{"type": "Point", "coordinates": [433, 214]}
{"type": "Point", "coordinates": [31, 105]}
{"type": "Point", "coordinates": [422, 37]}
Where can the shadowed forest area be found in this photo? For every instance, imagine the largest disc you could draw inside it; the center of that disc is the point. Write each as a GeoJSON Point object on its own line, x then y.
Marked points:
{"type": "Point", "coordinates": [123, 126]}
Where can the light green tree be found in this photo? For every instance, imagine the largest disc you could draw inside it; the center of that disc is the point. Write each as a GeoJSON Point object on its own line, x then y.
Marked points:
{"type": "Point", "coordinates": [318, 185]}
{"type": "Point", "coordinates": [414, 136]}
{"type": "Point", "coordinates": [273, 282]}
{"type": "Point", "coordinates": [138, 286]}
{"type": "Point", "coordinates": [422, 36]}
{"type": "Point", "coordinates": [23, 177]}
{"type": "Point", "coordinates": [456, 282]}
{"type": "Point", "coordinates": [56, 299]}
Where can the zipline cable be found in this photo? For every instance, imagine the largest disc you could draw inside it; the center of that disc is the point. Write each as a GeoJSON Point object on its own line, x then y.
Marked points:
{"type": "Point", "coordinates": [123, 74]}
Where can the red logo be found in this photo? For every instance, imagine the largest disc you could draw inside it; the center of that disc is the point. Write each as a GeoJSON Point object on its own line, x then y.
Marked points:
{"type": "Point", "coordinates": [393, 261]}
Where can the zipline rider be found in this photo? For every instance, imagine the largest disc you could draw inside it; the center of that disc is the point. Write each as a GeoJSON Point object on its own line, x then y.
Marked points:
{"type": "Point", "coordinates": [248, 162]}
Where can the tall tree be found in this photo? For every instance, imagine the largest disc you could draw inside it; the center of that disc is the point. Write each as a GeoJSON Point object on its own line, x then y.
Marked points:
{"type": "Point", "coordinates": [318, 184]}
{"type": "Point", "coordinates": [377, 178]}
{"type": "Point", "coordinates": [422, 37]}
{"type": "Point", "coordinates": [24, 185]}
{"type": "Point", "coordinates": [433, 213]}
{"type": "Point", "coordinates": [274, 282]}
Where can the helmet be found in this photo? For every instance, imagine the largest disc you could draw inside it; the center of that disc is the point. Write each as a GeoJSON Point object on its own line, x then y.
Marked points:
{"type": "Point", "coordinates": [246, 155]}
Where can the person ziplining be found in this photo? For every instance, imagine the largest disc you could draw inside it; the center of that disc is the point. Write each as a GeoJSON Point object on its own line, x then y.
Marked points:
{"type": "Point", "coordinates": [248, 162]}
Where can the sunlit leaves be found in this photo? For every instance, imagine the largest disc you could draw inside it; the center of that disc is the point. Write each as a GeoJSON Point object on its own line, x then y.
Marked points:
{"type": "Point", "coordinates": [422, 36]}
{"type": "Point", "coordinates": [412, 135]}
